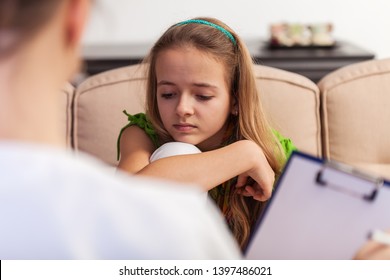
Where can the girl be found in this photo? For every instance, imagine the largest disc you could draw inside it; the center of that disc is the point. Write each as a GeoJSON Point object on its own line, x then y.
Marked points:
{"type": "Point", "coordinates": [201, 91]}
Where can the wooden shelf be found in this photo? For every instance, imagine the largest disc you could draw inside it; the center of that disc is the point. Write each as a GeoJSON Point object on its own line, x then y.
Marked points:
{"type": "Point", "coordinates": [313, 63]}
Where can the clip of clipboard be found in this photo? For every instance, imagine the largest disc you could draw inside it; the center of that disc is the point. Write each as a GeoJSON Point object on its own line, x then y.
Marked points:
{"type": "Point", "coordinates": [319, 210]}
{"type": "Point", "coordinates": [369, 195]}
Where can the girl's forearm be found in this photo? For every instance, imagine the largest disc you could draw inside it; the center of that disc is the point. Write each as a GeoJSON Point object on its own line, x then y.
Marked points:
{"type": "Point", "coordinates": [207, 169]}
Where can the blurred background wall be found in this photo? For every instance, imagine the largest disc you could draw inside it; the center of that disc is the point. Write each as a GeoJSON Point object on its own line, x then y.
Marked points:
{"type": "Point", "coordinates": [365, 23]}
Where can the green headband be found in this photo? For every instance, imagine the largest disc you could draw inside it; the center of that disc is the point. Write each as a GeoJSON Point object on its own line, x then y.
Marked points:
{"type": "Point", "coordinates": [205, 22]}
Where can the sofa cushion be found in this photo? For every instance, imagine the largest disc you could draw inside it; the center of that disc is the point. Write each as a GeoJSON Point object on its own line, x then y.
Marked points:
{"type": "Point", "coordinates": [98, 105]}
{"type": "Point", "coordinates": [356, 115]}
{"type": "Point", "coordinates": [292, 104]}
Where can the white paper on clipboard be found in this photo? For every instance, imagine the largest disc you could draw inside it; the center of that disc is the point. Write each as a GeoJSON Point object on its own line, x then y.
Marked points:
{"type": "Point", "coordinates": [319, 211]}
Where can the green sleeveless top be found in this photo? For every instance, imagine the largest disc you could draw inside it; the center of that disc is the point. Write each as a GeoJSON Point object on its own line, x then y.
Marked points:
{"type": "Point", "coordinates": [142, 122]}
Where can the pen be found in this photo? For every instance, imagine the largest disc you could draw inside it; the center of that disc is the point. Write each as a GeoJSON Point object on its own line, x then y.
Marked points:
{"type": "Point", "coordinates": [380, 236]}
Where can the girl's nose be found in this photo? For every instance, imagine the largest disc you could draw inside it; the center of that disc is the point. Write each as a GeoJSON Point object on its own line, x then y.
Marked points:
{"type": "Point", "coordinates": [184, 107]}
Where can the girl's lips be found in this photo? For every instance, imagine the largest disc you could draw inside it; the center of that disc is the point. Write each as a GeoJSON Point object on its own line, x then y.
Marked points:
{"type": "Point", "coordinates": [184, 127]}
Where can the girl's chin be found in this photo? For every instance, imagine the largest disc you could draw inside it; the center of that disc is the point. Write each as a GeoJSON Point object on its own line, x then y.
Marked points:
{"type": "Point", "coordinates": [187, 141]}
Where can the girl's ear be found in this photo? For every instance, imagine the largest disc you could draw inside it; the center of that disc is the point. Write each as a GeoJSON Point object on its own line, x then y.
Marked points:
{"type": "Point", "coordinates": [234, 109]}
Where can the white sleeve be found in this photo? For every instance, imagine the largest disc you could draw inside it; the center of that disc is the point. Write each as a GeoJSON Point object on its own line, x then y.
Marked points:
{"type": "Point", "coordinates": [173, 149]}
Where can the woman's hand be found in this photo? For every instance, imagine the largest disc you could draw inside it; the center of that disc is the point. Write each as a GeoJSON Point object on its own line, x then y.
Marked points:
{"type": "Point", "coordinates": [259, 180]}
{"type": "Point", "coordinates": [373, 250]}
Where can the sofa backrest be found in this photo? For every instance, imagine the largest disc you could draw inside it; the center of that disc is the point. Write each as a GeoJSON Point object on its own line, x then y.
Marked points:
{"type": "Point", "coordinates": [356, 113]}
{"type": "Point", "coordinates": [98, 109]}
{"type": "Point", "coordinates": [292, 104]}
{"type": "Point", "coordinates": [290, 100]}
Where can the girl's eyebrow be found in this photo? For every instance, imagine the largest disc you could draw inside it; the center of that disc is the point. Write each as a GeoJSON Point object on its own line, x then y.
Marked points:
{"type": "Point", "coordinates": [204, 85]}
{"type": "Point", "coordinates": [207, 85]}
{"type": "Point", "coordinates": [163, 82]}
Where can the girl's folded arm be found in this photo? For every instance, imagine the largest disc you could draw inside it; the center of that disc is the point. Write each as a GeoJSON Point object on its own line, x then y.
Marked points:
{"type": "Point", "coordinates": [207, 169]}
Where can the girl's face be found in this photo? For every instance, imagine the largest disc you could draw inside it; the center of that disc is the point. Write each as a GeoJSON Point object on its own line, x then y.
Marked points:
{"type": "Point", "coordinates": [193, 97]}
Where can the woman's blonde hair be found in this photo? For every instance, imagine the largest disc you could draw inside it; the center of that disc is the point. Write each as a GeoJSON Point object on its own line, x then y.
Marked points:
{"type": "Point", "coordinates": [250, 123]}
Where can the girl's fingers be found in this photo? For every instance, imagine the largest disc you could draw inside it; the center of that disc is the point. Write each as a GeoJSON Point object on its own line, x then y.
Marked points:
{"type": "Point", "coordinates": [256, 192]}
{"type": "Point", "coordinates": [241, 181]}
{"type": "Point", "coordinates": [251, 190]}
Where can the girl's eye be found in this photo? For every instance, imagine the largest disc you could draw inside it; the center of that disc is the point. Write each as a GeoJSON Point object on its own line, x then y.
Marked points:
{"type": "Point", "coordinates": [167, 95]}
{"type": "Point", "coordinates": [204, 97]}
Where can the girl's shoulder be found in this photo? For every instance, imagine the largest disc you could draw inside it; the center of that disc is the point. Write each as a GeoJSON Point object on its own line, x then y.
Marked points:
{"type": "Point", "coordinates": [142, 122]}
{"type": "Point", "coordinates": [139, 119]}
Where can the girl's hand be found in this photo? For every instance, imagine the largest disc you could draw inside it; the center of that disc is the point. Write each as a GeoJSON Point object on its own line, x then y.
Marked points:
{"type": "Point", "coordinates": [252, 189]}
{"type": "Point", "coordinates": [259, 180]}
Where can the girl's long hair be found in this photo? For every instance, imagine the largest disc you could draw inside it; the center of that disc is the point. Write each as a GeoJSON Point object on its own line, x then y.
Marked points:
{"type": "Point", "coordinates": [250, 123]}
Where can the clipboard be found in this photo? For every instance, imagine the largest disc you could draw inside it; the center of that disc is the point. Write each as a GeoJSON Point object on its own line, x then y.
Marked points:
{"type": "Point", "coordinates": [319, 210]}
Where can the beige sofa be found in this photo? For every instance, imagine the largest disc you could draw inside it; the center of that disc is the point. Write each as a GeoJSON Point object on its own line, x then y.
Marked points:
{"type": "Point", "coordinates": [345, 117]}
